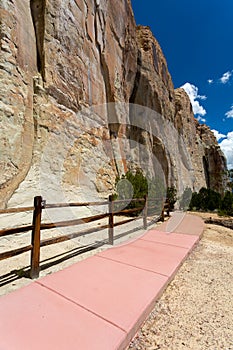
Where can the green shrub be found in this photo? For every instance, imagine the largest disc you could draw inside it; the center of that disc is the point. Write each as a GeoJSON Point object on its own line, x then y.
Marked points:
{"type": "Point", "coordinates": [195, 202]}
{"type": "Point", "coordinates": [209, 200]}
{"type": "Point", "coordinates": [156, 196]}
{"type": "Point", "coordinates": [205, 200]}
{"type": "Point", "coordinates": [185, 198]}
{"type": "Point", "coordinates": [227, 204]}
{"type": "Point", "coordinates": [131, 186]}
{"type": "Point", "coordinates": [136, 185]}
{"type": "Point", "coordinates": [171, 196]}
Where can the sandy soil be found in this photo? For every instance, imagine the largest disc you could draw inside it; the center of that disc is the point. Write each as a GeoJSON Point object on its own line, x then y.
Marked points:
{"type": "Point", "coordinates": [196, 310]}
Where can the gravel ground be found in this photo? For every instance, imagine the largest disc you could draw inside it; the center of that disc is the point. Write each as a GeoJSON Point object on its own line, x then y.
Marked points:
{"type": "Point", "coordinates": [196, 310]}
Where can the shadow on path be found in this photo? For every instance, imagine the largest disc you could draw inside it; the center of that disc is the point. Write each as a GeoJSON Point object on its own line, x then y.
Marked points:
{"type": "Point", "coordinates": [24, 272]}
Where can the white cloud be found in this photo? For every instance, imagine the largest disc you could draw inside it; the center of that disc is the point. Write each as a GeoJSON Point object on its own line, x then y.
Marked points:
{"type": "Point", "coordinates": [226, 77]}
{"type": "Point", "coordinates": [192, 92]}
{"type": "Point", "coordinates": [202, 97]}
{"type": "Point", "coordinates": [218, 135]}
{"type": "Point", "coordinates": [227, 148]}
{"type": "Point", "coordinates": [229, 114]}
{"type": "Point", "coordinates": [210, 81]}
{"type": "Point", "coordinates": [200, 119]}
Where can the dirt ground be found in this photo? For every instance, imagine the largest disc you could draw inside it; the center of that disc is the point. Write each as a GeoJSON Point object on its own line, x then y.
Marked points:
{"type": "Point", "coordinates": [196, 310]}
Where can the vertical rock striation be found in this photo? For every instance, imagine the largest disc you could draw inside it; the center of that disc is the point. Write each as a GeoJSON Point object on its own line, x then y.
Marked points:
{"type": "Point", "coordinates": [17, 68]}
{"type": "Point", "coordinates": [72, 73]}
{"type": "Point", "coordinates": [208, 161]}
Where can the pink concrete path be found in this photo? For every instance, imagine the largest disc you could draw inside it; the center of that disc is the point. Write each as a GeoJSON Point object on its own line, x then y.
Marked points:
{"type": "Point", "coordinates": [98, 303]}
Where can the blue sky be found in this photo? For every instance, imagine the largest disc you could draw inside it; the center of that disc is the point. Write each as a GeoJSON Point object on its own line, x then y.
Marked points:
{"type": "Point", "coordinates": [196, 37]}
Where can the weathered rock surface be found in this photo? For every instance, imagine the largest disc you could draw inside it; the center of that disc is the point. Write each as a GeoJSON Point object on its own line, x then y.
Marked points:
{"type": "Point", "coordinates": [208, 161]}
{"type": "Point", "coordinates": [17, 68]}
{"type": "Point", "coordinates": [85, 95]}
{"type": "Point", "coordinates": [213, 159]}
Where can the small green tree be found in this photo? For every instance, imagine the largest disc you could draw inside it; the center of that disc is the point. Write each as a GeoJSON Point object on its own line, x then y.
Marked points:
{"type": "Point", "coordinates": [156, 195]}
{"type": "Point", "coordinates": [214, 200]}
{"type": "Point", "coordinates": [131, 186]}
{"type": "Point", "coordinates": [185, 198]}
{"type": "Point", "coordinates": [205, 200]}
{"type": "Point", "coordinates": [171, 196]}
{"type": "Point", "coordinates": [227, 204]}
{"type": "Point", "coordinates": [195, 202]}
{"type": "Point", "coordinates": [136, 185]}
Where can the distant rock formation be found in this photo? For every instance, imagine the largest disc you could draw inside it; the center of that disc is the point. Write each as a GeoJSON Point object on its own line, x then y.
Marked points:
{"type": "Point", "coordinates": [86, 95]}
{"type": "Point", "coordinates": [208, 161]}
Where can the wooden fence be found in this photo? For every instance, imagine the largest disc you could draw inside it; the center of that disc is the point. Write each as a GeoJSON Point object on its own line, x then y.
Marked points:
{"type": "Point", "coordinates": [37, 225]}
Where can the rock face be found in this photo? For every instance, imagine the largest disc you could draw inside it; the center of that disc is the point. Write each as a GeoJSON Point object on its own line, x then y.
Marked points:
{"type": "Point", "coordinates": [213, 160]}
{"type": "Point", "coordinates": [86, 95]}
{"type": "Point", "coordinates": [17, 68]}
{"type": "Point", "coordinates": [208, 161]}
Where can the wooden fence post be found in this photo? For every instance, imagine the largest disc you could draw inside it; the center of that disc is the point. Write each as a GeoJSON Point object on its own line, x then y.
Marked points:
{"type": "Point", "coordinates": [145, 212]}
{"type": "Point", "coordinates": [162, 214]}
{"type": "Point", "coordinates": [111, 220]}
{"type": "Point", "coordinates": [35, 253]}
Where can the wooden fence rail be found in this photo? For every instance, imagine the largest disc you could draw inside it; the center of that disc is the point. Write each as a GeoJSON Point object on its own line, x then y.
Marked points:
{"type": "Point", "coordinates": [37, 225]}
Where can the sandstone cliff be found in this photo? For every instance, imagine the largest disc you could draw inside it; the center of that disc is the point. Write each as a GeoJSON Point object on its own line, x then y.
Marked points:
{"type": "Point", "coordinates": [208, 161]}
{"type": "Point", "coordinates": [85, 95]}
